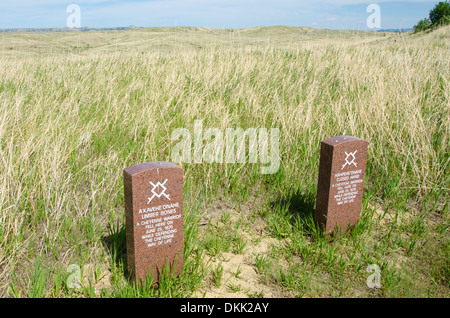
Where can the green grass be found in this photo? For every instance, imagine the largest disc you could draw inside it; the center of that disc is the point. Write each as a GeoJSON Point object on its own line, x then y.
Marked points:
{"type": "Point", "coordinates": [78, 108]}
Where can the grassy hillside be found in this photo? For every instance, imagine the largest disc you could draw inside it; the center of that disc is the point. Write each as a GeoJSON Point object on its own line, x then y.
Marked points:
{"type": "Point", "coordinates": [166, 40]}
{"type": "Point", "coordinates": [77, 108]}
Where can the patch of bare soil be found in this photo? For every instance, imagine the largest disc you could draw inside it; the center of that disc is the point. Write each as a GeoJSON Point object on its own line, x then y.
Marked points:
{"type": "Point", "coordinates": [99, 277]}
{"type": "Point", "coordinates": [240, 277]}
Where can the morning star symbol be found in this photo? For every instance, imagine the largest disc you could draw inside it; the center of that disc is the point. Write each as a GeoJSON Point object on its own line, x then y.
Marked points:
{"type": "Point", "coordinates": [348, 155]}
{"type": "Point", "coordinates": [155, 194]}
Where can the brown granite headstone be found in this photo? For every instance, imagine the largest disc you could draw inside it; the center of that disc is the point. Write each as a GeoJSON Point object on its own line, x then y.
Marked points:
{"type": "Point", "coordinates": [154, 218]}
{"type": "Point", "coordinates": [341, 180]}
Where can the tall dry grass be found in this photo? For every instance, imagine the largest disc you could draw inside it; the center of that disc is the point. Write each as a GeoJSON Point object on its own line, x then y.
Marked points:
{"type": "Point", "coordinates": [69, 124]}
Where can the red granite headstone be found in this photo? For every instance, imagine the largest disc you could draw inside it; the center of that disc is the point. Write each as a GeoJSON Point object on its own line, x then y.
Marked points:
{"type": "Point", "coordinates": [340, 185]}
{"type": "Point", "coordinates": [154, 218]}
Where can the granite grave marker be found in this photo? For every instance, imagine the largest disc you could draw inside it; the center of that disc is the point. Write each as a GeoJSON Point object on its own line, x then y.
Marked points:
{"type": "Point", "coordinates": [340, 184]}
{"type": "Point", "coordinates": [154, 218]}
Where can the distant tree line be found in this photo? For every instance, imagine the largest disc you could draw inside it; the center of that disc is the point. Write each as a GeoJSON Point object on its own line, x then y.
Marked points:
{"type": "Point", "coordinates": [438, 16]}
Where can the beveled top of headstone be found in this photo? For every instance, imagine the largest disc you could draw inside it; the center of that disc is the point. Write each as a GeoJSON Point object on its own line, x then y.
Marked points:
{"type": "Point", "coordinates": [142, 167]}
{"type": "Point", "coordinates": [334, 141]}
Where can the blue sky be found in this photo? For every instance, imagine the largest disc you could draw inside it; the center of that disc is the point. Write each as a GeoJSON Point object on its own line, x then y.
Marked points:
{"type": "Point", "coordinates": [338, 14]}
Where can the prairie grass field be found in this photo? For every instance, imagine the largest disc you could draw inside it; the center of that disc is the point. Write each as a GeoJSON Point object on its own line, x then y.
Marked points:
{"type": "Point", "coordinates": [77, 108]}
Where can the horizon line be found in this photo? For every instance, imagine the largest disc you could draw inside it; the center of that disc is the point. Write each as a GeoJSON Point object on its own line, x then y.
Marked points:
{"type": "Point", "coordinates": [130, 27]}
